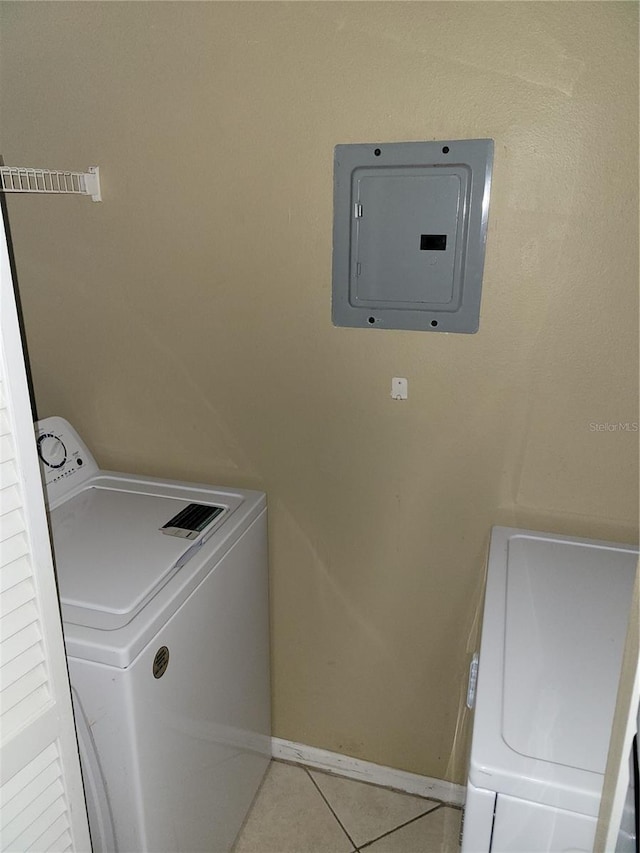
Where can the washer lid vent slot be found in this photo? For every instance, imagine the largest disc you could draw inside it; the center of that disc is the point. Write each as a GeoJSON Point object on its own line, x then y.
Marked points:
{"type": "Point", "coordinates": [191, 521]}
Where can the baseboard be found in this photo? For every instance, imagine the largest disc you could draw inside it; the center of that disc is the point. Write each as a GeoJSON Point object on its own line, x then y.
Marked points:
{"type": "Point", "coordinates": [366, 771]}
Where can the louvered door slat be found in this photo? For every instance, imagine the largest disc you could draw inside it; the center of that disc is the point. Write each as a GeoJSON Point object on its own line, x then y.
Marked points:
{"type": "Point", "coordinates": [15, 621]}
{"type": "Point", "coordinates": [26, 662]}
{"type": "Point", "coordinates": [12, 525]}
{"type": "Point", "coordinates": [7, 452]}
{"type": "Point", "coordinates": [16, 596]}
{"type": "Point", "coordinates": [13, 547]}
{"type": "Point", "coordinates": [23, 777]}
{"type": "Point", "coordinates": [15, 572]}
{"type": "Point", "coordinates": [29, 683]}
{"type": "Point", "coordinates": [19, 642]}
{"type": "Point", "coordinates": [10, 498]}
{"type": "Point", "coordinates": [8, 475]}
{"type": "Point", "coordinates": [55, 839]}
{"type": "Point", "coordinates": [37, 785]}
{"type": "Point", "coordinates": [35, 821]}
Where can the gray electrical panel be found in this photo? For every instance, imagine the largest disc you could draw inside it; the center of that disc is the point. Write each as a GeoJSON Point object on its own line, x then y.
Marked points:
{"type": "Point", "coordinates": [409, 233]}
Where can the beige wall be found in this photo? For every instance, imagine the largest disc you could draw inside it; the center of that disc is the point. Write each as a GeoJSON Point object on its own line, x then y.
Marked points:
{"type": "Point", "coordinates": [183, 325]}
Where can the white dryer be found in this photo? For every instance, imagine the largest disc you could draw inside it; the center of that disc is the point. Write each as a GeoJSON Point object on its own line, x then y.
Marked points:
{"type": "Point", "coordinates": [164, 594]}
{"type": "Point", "coordinates": [554, 625]}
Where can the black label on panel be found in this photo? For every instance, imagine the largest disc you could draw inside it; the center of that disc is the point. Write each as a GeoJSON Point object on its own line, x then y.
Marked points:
{"type": "Point", "coordinates": [433, 242]}
{"type": "Point", "coordinates": [161, 662]}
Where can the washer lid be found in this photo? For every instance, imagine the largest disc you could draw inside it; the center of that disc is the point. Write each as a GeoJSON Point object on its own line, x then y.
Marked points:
{"type": "Point", "coordinates": [554, 625]}
{"type": "Point", "coordinates": [567, 610]}
{"type": "Point", "coordinates": [111, 556]}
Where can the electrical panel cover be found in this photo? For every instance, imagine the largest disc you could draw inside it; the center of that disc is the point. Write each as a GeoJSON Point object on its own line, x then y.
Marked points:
{"type": "Point", "coordinates": [410, 226]}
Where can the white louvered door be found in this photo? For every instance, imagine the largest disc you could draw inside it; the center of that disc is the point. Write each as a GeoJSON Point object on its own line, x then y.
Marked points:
{"type": "Point", "coordinates": [42, 805]}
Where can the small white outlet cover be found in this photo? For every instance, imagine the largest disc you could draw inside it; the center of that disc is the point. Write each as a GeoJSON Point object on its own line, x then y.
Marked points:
{"type": "Point", "coordinates": [399, 388]}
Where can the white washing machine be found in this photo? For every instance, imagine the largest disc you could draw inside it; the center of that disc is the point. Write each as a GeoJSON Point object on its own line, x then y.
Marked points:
{"type": "Point", "coordinates": [164, 594]}
{"type": "Point", "coordinates": [554, 625]}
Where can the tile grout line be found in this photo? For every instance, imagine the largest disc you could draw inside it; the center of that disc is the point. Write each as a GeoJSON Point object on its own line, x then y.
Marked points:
{"type": "Point", "coordinates": [401, 826]}
{"type": "Point", "coordinates": [356, 849]}
{"type": "Point", "coordinates": [437, 806]}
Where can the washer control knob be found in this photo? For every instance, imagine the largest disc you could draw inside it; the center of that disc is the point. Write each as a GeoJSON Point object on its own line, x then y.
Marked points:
{"type": "Point", "coordinates": [51, 450]}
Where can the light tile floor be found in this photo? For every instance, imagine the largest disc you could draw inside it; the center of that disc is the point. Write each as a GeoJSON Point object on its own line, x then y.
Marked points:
{"type": "Point", "coordinates": [305, 811]}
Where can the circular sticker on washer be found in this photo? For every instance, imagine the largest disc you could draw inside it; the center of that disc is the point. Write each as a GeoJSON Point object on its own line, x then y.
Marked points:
{"type": "Point", "coordinates": [160, 662]}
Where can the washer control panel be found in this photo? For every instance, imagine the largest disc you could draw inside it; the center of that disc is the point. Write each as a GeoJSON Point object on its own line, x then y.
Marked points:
{"type": "Point", "coordinates": [65, 460]}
